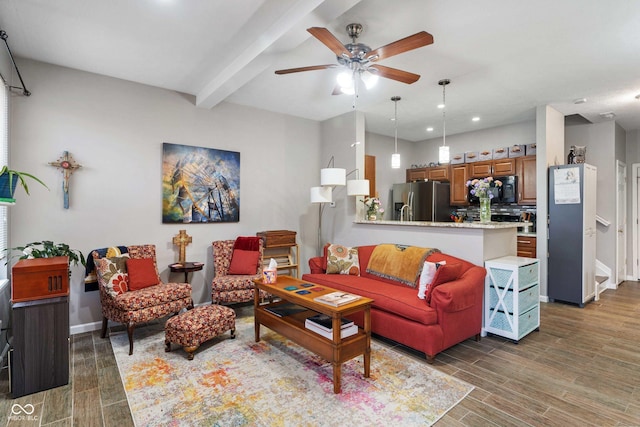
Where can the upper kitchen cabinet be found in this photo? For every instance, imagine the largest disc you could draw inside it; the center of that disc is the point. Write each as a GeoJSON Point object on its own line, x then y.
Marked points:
{"type": "Point", "coordinates": [459, 193]}
{"type": "Point", "coordinates": [500, 167]}
{"type": "Point", "coordinates": [526, 171]}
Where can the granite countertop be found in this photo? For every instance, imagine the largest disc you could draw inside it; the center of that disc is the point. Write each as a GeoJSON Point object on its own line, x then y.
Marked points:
{"type": "Point", "coordinates": [529, 234]}
{"type": "Point", "coordinates": [474, 224]}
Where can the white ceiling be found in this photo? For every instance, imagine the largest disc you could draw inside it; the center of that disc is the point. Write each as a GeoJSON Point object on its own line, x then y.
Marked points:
{"type": "Point", "coordinates": [503, 57]}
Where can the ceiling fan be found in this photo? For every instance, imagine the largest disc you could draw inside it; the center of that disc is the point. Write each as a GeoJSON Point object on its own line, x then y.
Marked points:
{"type": "Point", "coordinates": [360, 59]}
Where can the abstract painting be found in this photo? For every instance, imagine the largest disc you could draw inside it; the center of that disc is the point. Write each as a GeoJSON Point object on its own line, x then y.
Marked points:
{"type": "Point", "coordinates": [199, 185]}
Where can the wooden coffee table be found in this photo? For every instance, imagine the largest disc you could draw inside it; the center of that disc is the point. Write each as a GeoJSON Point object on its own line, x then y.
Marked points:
{"type": "Point", "coordinates": [336, 351]}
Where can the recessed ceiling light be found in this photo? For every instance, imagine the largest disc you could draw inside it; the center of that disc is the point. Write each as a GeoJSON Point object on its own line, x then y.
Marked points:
{"type": "Point", "coordinates": [475, 119]}
{"type": "Point", "coordinates": [580, 101]}
{"type": "Point", "coordinates": [441, 106]}
{"type": "Point", "coordinates": [608, 115]}
{"type": "Point", "coordinates": [429, 129]}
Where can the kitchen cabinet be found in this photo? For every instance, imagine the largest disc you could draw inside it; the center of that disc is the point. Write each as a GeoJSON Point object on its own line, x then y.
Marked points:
{"type": "Point", "coordinates": [433, 173]}
{"type": "Point", "coordinates": [417, 174]}
{"type": "Point", "coordinates": [500, 167]}
{"type": "Point", "coordinates": [526, 246]}
{"type": "Point", "coordinates": [526, 171]}
{"type": "Point", "coordinates": [459, 176]}
{"type": "Point", "coordinates": [438, 173]}
{"type": "Point", "coordinates": [512, 297]}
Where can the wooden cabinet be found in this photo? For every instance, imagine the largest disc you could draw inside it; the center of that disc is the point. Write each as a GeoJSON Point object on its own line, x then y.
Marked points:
{"type": "Point", "coordinates": [504, 167]}
{"type": "Point", "coordinates": [527, 246]}
{"type": "Point", "coordinates": [480, 169]}
{"type": "Point", "coordinates": [39, 359]}
{"type": "Point", "coordinates": [512, 297]}
{"type": "Point", "coordinates": [459, 176]}
{"type": "Point", "coordinates": [526, 171]}
{"type": "Point", "coordinates": [438, 173]}
{"type": "Point", "coordinates": [417, 174]}
{"type": "Point", "coordinates": [500, 167]}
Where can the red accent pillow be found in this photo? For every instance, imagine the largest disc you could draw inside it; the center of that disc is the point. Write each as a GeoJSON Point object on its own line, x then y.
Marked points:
{"type": "Point", "coordinates": [142, 273]}
{"type": "Point", "coordinates": [445, 273]}
{"type": "Point", "coordinates": [244, 262]}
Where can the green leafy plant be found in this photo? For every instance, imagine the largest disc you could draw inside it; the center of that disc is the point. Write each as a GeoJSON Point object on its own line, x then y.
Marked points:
{"type": "Point", "coordinates": [48, 249]}
{"type": "Point", "coordinates": [20, 176]}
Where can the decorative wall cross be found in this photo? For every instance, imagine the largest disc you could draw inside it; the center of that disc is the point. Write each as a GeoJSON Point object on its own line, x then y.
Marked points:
{"type": "Point", "coordinates": [182, 239]}
{"type": "Point", "coordinates": [67, 166]}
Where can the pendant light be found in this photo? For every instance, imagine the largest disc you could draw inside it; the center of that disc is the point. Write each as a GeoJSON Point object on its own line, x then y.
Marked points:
{"type": "Point", "coordinates": [443, 152]}
{"type": "Point", "coordinates": [395, 157]}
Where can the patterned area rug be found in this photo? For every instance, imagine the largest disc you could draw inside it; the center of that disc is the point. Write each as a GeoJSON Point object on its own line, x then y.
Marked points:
{"type": "Point", "coordinates": [237, 382]}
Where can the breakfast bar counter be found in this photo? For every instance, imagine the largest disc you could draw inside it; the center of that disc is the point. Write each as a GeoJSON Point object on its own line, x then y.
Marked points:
{"type": "Point", "coordinates": [473, 241]}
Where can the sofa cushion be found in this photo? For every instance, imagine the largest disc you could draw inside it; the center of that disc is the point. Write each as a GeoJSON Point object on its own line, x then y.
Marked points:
{"type": "Point", "coordinates": [445, 273]}
{"type": "Point", "coordinates": [152, 296]}
{"type": "Point", "coordinates": [244, 262]}
{"type": "Point", "coordinates": [112, 272]}
{"type": "Point", "coordinates": [426, 277]}
{"type": "Point", "coordinates": [142, 273]}
{"type": "Point", "coordinates": [342, 260]}
{"type": "Point", "coordinates": [397, 299]}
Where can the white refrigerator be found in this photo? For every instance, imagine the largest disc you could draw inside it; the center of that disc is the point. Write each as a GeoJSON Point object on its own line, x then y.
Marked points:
{"type": "Point", "coordinates": [572, 233]}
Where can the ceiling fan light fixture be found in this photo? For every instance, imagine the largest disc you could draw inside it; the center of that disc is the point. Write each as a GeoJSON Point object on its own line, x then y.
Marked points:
{"type": "Point", "coordinates": [369, 79]}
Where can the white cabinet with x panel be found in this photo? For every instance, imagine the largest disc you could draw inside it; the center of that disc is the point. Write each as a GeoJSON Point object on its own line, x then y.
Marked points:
{"type": "Point", "coordinates": [512, 297]}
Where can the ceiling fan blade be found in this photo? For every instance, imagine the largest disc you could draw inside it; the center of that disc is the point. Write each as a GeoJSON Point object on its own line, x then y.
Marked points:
{"type": "Point", "coordinates": [310, 68]}
{"type": "Point", "coordinates": [394, 74]}
{"type": "Point", "coordinates": [403, 45]}
{"type": "Point", "coordinates": [330, 41]}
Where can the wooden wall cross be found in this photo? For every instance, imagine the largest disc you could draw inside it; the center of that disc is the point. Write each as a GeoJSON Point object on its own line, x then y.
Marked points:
{"type": "Point", "coordinates": [67, 165]}
{"type": "Point", "coordinates": [182, 239]}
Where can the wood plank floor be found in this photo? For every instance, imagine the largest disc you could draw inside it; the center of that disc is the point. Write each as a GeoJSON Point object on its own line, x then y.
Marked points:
{"type": "Point", "coordinates": [581, 369]}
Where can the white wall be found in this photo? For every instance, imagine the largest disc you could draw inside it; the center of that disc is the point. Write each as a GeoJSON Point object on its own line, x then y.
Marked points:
{"type": "Point", "coordinates": [600, 142]}
{"type": "Point", "coordinates": [115, 129]}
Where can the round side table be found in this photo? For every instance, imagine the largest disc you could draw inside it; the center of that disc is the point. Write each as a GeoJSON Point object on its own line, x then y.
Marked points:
{"type": "Point", "coordinates": [186, 268]}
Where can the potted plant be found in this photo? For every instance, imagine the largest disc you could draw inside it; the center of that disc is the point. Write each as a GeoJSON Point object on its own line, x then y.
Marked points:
{"type": "Point", "coordinates": [9, 179]}
{"type": "Point", "coordinates": [48, 249]}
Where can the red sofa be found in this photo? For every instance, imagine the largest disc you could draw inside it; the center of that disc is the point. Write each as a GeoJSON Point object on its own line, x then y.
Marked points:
{"type": "Point", "coordinates": [453, 315]}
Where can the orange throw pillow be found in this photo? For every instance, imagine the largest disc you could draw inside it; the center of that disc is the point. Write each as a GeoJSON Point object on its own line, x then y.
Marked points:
{"type": "Point", "coordinates": [142, 273]}
{"type": "Point", "coordinates": [244, 262]}
{"type": "Point", "coordinates": [445, 273]}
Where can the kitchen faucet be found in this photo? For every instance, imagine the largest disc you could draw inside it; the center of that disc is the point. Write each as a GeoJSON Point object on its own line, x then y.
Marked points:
{"type": "Point", "coordinates": [402, 211]}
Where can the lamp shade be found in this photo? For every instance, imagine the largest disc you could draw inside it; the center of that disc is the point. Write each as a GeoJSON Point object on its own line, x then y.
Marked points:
{"type": "Point", "coordinates": [333, 176]}
{"type": "Point", "coordinates": [395, 161]}
{"type": "Point", "coordinates": [443, 154]}
{"type": "Point", "coordinates": [358, 187]}
{"type": "Point", "coordinates": [320, 195]}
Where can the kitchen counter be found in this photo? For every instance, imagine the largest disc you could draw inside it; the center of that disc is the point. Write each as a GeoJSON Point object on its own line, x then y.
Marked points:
{"type": "Point", "coordinates": [473, 241]}
{"type": "Point", "coordinates": [529, 234]}
{"type": "Point", "coordinates": [475, 224]}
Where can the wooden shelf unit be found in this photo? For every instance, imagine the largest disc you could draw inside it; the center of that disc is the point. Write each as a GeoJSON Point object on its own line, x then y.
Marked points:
{"type": "Point", "coordinates": [287, 258]}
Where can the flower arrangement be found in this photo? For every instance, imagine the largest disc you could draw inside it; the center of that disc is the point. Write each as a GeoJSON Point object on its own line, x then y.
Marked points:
{"type": "Point", "coordinates": [480, 187]}
{"type": "Point", "coordinates": [374, 207]}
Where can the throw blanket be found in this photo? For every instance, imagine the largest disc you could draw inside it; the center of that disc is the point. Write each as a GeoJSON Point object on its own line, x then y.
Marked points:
{"type": "Point", "coordinates": [398, 262]}
{"type": "Point", "coordinates": [90, 268]}
{"type": "Point", "coordinates": [247, 243]}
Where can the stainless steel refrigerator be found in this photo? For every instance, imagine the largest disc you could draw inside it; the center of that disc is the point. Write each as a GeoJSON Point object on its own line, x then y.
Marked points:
{"type": "Point", "coordinates": [421, 201]}
{"type": "Point", "coordinates": [572, 233]}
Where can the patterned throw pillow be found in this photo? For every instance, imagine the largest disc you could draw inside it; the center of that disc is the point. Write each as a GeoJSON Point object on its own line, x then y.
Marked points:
{"type": "Point", "coordinates": [112, 274]}
{"type": "Point", "coordinates": [342, 260]}
{"type": "Point", "coordinates": [426, 276]}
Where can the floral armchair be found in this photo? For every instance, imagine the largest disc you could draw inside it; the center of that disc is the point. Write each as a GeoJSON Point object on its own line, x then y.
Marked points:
{"type": "Point", "coordinates": [232, 288]}
{"type": "Point", "coordinates": [123, 302]}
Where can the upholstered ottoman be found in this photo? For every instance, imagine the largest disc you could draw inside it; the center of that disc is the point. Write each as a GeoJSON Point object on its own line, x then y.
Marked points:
{"type": "Point", "coordinates": [193, 327]}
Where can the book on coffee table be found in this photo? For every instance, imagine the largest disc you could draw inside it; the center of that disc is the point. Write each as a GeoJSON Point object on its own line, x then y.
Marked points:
{"type": "Point", "coordinates": [344, 332]}
{"type": "Point", "coordinates": [325, 322]}
{"type": "Point", "coordinates": [337, 298]}
{"type": "Point", "coordinates": [285, 309]}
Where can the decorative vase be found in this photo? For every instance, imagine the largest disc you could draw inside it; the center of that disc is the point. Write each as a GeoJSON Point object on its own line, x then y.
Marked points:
{"type": "Point", "coordinates": [371, 216]}
{"type": "Point", "coordinates": [485, 209]}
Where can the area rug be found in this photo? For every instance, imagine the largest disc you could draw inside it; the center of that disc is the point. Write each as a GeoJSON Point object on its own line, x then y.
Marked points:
{"type": "Point", "coordinates": [238, 382]}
